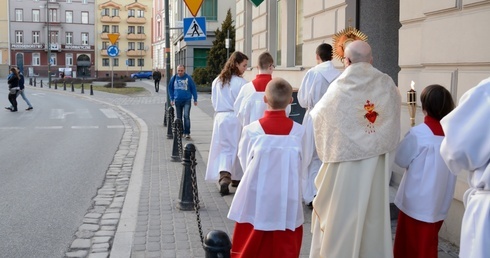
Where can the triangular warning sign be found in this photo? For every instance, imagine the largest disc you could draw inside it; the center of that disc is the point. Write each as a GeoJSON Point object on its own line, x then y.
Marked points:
{"type": "Point", "coordinates": [194, 30]}
{"type": "Point", "coordinates": [113, 38]}
{"type": "Point", "coordinates": [193, 6]}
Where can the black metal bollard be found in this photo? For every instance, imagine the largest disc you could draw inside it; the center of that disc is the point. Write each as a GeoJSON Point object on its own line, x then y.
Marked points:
{"type": "Point", "coordinates": [49, 85]}
{"type": "Point", "coordinates": [171, 116]}
{"type": "Point", "coordinates": [177, 146]}
{"type": "Point", "coordinates": [91, 90]}
{"type": "Point", "coordinates": [217, 244]}
{"type": "Point", "coordinates": [55, 85]}
{"type": "Point", "coordinates": [41, 83]}
{"type": "Point", "coordinates": [165, 114]}
{"type": "Point", "coordinates": [30, 81]}
{"type": "Point", "coordinates": [64, 85]}
{"type": "Point", "coordinates": [186, 197]}
{"type": "Point", "coordinates": [34, 81]}
{"type": "Point", "coordinates": [82, 89]}
{"type": "Point", "coordinates": [72, 87]}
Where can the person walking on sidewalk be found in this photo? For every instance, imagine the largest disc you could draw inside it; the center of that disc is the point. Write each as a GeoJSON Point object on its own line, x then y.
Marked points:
{"type": "Point", "coordinates": [427, 187]}
{"type": "Point", "coordinates": [267, 206]}
{"type": "Point", "coordinates": [313, 87]}
{"type": "Point", "coordinates": [157, 76]}
{"type": "Point", "coordinates": [357, 128]}
{"type": "Point", "coordinates": [466, 147]}
{"type": "Point", "coordinates": [223, 161]}
{"type": "Point", "coordinates": [13, 82]}
{"type": "Point", "coordinates": [22, 89]}
{"type": "Point", "coordinates": [182, 89]}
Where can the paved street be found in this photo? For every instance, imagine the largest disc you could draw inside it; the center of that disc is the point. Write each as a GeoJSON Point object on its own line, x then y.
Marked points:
{"type": "Point", "coordinates": [134, 213]}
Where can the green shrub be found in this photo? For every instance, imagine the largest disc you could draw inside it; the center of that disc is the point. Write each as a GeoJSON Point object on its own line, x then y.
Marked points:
{"type": "Point", "coordinates": [201, 76]}
{"type": "Point", "coordinates": [117, 84]}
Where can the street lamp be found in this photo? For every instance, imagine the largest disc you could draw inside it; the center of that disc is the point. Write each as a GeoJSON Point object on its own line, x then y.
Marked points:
{"type": "Point", "coordinates": [49, 42]}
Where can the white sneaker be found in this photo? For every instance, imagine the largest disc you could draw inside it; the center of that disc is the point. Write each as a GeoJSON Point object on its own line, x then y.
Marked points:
{"type": "Point", "coordinates": [187, 136]}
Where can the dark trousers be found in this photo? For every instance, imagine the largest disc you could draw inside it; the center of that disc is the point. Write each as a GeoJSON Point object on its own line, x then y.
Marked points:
{"type": "Point", "coordinates": [157, 82]}
{"type": "Point", "coordinates": [13, 99]}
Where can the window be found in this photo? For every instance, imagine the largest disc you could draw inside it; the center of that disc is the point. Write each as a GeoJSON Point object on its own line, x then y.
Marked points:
{"type": "Point", "coordinates": [115, 62]}
{"type": "Point", "coordinates": [52, 1]}
{"type": "Point", "coordinates": [105, 12]}
{"type": "Point", "coordinates": [105, 45]}
{"type": "Point", "coordinates": [53, 37]}
{"type": "Point", "coordinates": [105, 28]}
{"type": "Point", "coordinates": [131, 13]}
{"type": "Point", "coordinates": [35, 15]}
{"type": "Point", "coordinates": [19, 36]}
{"type": "Point", "coordinates": [69, 16]}
{"type": "Point", "coordinates": [53, 15]}
{"type": "Point", "coordinates": [36, 59]}
{"type": "Point", "coordinates": [69, 38]}
{"type": "Point", "coordinates": [115, 28]}
{"type": "Point", "coordinates": [84, 38]}
{"type": "Point", "coordinates": [141, 45]}
{"type": "Point", "coordinates": [159, 29]}
{"type": "Point", "coordinates": [200, 57]}
{"type": "Point", "coordinates": [299, 33]}
{"type": "Point", "coordinates": [279, 34]}
{"type": "Point", "coordinates": [85, 17]}
{"type": "Point", "coordinates": [131, 30]}
{"type": "Point", "coordinates": [209, 9]}
{"type": "Point", "coordinates": [19, 14]}
{"type": "Point", "coordinates": [141, 30]}
{"type": "Point", "coordinates": [115, 12]}
{"type": "Point", "coordinates": [141, 62]}
{"type": "Point", "coordinates": [105, 61]}
{"type": "Point", "coordinates": [35, 37]}
{"type": "Point", "coordinates": [68, 1]}
{"type": "Point", "coordinates": [140, 13]}
{"type": "Point", "coordinates": [69, 59]}
{"type": "Point", "coordinates": [84, 1]}
{"type": "Point", "coordinates": [131, 46]}
{"type": "Point", "coordinates": [53, 58]}
{"type": "Point", "coordinates": [130, 62]}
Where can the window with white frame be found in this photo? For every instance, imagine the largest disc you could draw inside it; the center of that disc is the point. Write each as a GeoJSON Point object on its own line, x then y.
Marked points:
{"type": "Point", "coordinates": [115, 12]}
{"type": "Point", "coordinates": [69, 59]}
{"type": "Point", "coordinates": [19, 15]}
{"type": "Point", "coordinates": [115, 28]}
{"type": "Point", "coordinates": [35, 37]}
{"type": "Point", "coordinates": [105, 12]}
{"type": "Point", "coordinates": [84, 1]}
{"type": "Point", "coordinates": [159, 29]}
{"type": "Point", "coordinates": [84, 17]}
{"type": "Point", "coordinates": [131, 62]}
{"type": "Point", "coordinates": [69, 38]}
{"type": "Point", "coordinates": [84, 38]}
{"type": "Point", "coordinates": [105, 28]}
{"type": "Point", "coordinates": [209, 9]}
{"type": "Point", "coordinates": [36, 59]}
{"type": "Point", "coordinates": [105, 62]}
{"type": "Point", "coordinates": [141, 30]}
{"type": "Point", "coordinates": [115, 62]}
{"type": "Point", "coordinates": [141, 45]}
{"type": "Point", "coordinates": [131, 12]}
{"type": "Point", "coordinates": [36, 15]}
{"type": "Point", "coordinates": [105, 45]}
{"type": "Point", "coordinates": [68, 1]}
{"type": "Point", "coordinates": [131, 46]}
{"type": "Point", "coordinates": [69, 16]}
{"type": "Point", "coordinates": [53, 15]}
{"type": "Point", "coordinates": [19, 36]}
{"type": "Point", "coordinates": [131, 30]}
{"type": "Point", "coordinates": [54, 59]}
{"type": "Point", "coordinates": [140, 13]}
{"type": "Point", "coordinates": [141, 62]}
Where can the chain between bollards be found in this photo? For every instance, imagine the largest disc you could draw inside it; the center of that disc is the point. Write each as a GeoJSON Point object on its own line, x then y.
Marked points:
{"type": "Point", "coordinates": [177, 143]}
{"type": "Point", "coordinates": [165, 114]}
{"type": "Point", "coordinates": [170, 120]}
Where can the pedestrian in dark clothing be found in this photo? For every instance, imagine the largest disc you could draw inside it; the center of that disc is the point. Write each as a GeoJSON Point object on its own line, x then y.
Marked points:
{"type": "Point", "coordinates": [157, 76]}
{"type": "Point", "coordinates": [13, 82]}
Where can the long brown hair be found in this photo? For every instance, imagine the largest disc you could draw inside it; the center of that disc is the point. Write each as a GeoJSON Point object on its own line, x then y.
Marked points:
{"type": "Point", "coordinates": [14, 71]}
{"type": "Point", "coordinates": [231, 68]}
{"type": "Point", "coordinates": [436, 101]}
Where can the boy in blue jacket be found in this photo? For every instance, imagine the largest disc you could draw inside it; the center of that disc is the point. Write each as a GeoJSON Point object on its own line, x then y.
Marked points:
{"type": "Point", "coordinates": [182, 89]}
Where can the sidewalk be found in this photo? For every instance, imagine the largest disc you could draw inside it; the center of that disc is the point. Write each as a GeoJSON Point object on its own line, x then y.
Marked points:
{"type": "Point", "coordinates": [149, 224]}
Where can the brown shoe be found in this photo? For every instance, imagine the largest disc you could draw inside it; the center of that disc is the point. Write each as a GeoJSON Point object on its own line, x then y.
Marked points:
{"type": "Point", "coordinates": [224, 182]}
{"type": "Point", "coordinates": [235, 183]}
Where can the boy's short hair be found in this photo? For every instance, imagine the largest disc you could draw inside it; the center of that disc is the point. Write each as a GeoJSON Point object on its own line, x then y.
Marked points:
{"type": "Point", "coordinates": [324, 51]}
{"type": "Point", "coordinates": [278, 93]}
{"type": "Point", "coordinates": [265, 60]}
{"type": "Point", "coordinates": [436, 101]}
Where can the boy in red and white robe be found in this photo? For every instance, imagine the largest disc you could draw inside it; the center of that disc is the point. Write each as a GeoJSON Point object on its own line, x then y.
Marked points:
{"type": "Point", "coordinates": [268, 204]}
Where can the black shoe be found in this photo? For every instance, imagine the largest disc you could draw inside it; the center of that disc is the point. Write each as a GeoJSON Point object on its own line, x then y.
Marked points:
{"type": "Point", "coordinates": [13, 110]}
{"type": "Point", "coordinates": [8, 108]}
{"type": "Point", "coordinates": [235, 183]}
{"type": "Point", "coordinates": [29, 108]}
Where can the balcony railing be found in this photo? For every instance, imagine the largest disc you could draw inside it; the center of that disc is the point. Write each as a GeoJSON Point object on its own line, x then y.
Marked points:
{"type": "Point", "coordinates": [136, 20]}
{"type": "Point", "coordinates": [132, 36]}
{"type": "Point", "coordinates": [136, 53]}
{"type": "Point", "coordinates": [110, 19]}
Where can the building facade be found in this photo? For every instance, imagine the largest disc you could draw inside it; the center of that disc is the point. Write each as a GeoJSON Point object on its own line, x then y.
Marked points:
{"type": "Point", "coordinates": [4, 40]}
{"type": "Point", "coordinates": [132, 22]}
{"type": "Point", "coordinates": [428, 42]}
{"type": "Point", "coordinates": [66, 27]}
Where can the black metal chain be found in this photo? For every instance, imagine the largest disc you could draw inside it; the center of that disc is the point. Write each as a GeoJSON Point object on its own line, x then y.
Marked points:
{"type": "Point", "coordinates": [179, 139]}
{"type": "Point", "coordinates": [196, 195]}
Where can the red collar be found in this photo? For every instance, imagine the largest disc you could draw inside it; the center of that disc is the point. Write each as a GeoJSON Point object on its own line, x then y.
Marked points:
{"type": "Point", "coordinates": [434, 125]}
{"type": "Point", "coordinates": [260, 81]}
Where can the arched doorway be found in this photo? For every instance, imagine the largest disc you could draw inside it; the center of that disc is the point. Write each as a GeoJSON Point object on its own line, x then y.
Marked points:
{"type": "Point", "coordinates": [83, 65]}
{"type": "Point", "coordinates": [19, 61]}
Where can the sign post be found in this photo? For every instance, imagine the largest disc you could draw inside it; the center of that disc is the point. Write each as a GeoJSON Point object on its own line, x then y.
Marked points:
{"type": "Point", "coordinates": [112, 51]}
{"type": "Point", "coordinates": [194, 28]}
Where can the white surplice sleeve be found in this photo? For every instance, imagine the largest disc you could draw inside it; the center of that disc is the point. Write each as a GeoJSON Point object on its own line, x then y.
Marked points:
{"type": "Point", "coordinates": [407, 150]}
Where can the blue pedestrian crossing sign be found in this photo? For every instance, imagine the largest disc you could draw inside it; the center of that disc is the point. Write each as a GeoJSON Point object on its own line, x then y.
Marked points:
{"type": "Point", "coordinates": [194, 28]}
{"type": "Point", "coordinates": [112, 51]}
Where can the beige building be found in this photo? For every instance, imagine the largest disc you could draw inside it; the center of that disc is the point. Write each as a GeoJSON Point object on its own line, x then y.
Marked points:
{"type": "Point", "coordinates": [132, 22]}
{"type": "Point", "coordinates": [428, 42]}
{"type": "Point", "coordinates": [4, 39]}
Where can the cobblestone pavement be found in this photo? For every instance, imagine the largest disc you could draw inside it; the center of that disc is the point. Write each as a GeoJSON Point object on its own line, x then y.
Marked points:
{"type": "Point", "coordinates": [134, 213]}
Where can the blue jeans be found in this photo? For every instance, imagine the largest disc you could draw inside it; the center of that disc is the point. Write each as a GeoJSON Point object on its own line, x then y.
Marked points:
{"type": "Point", "coordinates": [23, 95]}
{"type": "Point", "coordinates": [184, 106]}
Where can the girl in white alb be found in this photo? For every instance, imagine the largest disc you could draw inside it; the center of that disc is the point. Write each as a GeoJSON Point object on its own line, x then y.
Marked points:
{"type": "Point", "coordinates": [427, 187]}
